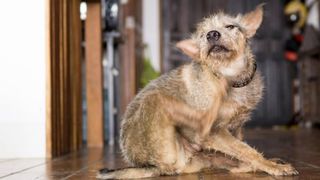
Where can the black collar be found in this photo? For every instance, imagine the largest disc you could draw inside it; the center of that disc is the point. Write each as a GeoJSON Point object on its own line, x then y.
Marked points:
{"type": "Point", "coordinates": [247, 80]}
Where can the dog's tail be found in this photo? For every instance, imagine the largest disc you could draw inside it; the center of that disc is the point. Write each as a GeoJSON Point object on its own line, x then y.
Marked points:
{"type": "Point", "coordinates": [128, 173]}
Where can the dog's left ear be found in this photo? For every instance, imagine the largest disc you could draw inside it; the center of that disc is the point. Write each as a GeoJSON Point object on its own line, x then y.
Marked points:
{"type": "Point", "coordinates": [190, 48]}
{"type": "Point", "coordinates": [252, 20]}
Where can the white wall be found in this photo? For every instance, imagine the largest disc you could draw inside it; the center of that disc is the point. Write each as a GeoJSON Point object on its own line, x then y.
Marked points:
{"type": "Point", "coordinates": [151, 30]}
{"type": "Point", "coordinates": [313, 16]}
{"type": "Point", "coordinates": [22, 78]}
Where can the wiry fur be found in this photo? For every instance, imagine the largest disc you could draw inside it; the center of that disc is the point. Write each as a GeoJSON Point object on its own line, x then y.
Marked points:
{"type": "Point", "coordinates": [174, 123]}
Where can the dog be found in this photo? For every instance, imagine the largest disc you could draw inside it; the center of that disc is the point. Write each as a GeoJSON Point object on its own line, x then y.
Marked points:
{"type": "Point", "coordinates": [177, 120]}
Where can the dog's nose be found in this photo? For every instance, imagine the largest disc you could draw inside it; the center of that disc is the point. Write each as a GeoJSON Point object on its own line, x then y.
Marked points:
{"type": "Point", "coordinates": [213, 36]}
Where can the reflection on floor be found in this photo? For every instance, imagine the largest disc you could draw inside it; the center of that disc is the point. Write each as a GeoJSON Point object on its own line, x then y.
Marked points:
{"type": "Point", "coordinates": [299, 147]}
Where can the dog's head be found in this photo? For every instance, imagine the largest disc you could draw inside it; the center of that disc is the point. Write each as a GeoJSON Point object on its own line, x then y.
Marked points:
{"type": "Point", "coordinates": [222, 37]}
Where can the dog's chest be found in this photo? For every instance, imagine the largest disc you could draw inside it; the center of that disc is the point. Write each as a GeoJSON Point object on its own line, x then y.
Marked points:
{"type": "Point", "coordinates": [238, 104]}
{"type": "Point", "coordinates": [232, 107]}
{"type": "Point", "coordinates": [200, 89]}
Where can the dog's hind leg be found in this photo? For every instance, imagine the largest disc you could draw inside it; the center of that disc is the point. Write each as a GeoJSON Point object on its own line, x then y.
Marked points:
{"type": "Point", "coordinates": [224, 142]}
{"type": "Point", "coordinates": [204, 160]}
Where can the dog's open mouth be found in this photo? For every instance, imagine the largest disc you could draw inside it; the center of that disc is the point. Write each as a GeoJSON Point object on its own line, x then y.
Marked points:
{"type": "Point", "coordinates": [218, 48]}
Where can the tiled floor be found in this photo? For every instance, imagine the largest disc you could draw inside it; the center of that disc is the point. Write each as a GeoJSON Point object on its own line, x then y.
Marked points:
{"type": "Point", "coordinates": [299, 147]}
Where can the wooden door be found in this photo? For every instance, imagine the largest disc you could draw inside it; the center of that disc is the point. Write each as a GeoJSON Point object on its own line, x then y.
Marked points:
{"type": "Point", "coordinates": [179, 19]}
{"type": "Point", "coordinates": [64, 111]}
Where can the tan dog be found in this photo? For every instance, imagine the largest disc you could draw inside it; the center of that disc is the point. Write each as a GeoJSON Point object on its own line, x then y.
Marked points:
{"type": "Point", "coordinates": [172, 124]}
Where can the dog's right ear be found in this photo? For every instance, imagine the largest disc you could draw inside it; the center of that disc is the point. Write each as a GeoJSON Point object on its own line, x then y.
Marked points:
{"type": "Point", "coordinates": [252, 20]}
{"type": "Point", "coordinates": [190, 48]}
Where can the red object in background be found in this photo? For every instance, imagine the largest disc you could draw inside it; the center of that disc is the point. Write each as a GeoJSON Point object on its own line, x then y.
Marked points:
{"type": "Point", "coordinates": [291, 56]}
{"type": "Point", "coordinates": [298, 38]}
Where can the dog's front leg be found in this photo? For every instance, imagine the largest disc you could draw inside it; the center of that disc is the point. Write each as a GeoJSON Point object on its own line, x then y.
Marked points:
{"type": "Point", "coordinates": [224, 142]}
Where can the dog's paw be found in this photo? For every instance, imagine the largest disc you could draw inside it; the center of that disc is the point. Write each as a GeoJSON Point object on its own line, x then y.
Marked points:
{"type": "Point", "coordinates": [281, 170]}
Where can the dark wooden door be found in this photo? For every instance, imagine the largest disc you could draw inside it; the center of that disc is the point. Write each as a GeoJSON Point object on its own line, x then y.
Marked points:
{"type": "Point", "coordinates": [179, 20]}
{"type": "Point", "coordinates": [64, 112]}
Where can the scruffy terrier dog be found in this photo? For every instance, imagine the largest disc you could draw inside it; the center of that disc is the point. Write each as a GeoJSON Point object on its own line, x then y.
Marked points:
{"type": "Point", "coordinates": [174, 123]}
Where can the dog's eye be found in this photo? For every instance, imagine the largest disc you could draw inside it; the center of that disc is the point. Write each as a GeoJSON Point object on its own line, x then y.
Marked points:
{"type": "Point", "coordinates": [230, 26]}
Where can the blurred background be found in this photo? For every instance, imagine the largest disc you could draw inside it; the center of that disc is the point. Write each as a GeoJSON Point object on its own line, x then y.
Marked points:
{"type": "Point", "coordinates": [70, 67]}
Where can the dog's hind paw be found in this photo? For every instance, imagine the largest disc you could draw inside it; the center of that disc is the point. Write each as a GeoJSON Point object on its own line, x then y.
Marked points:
{"type": "Point", "coordinates": [281, 170]}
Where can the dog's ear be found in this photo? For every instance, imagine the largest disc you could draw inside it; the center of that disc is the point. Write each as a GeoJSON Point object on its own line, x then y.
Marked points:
{"type": "Point", "coordinates": [252, 20]}
{"type": "Point", "coordinates": [190, 48]}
